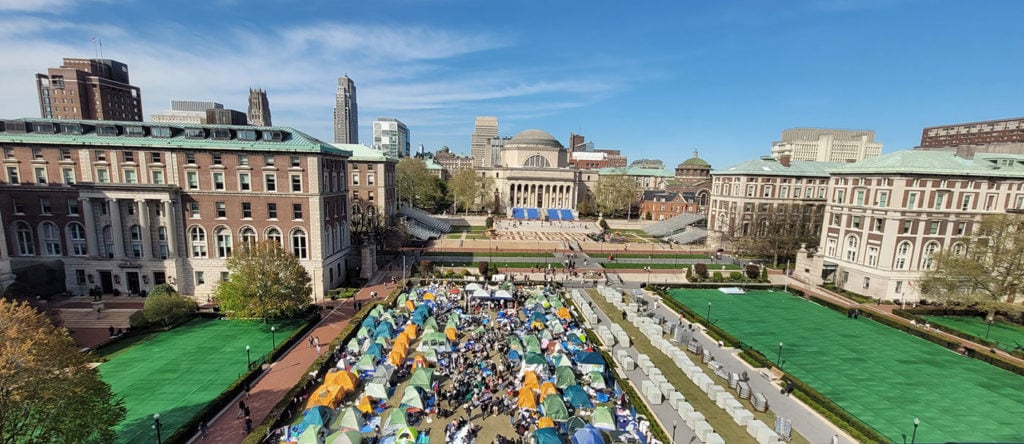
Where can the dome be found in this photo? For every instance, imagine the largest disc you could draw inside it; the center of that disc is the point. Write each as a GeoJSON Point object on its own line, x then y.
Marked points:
{"type": "Point", "coordinates": [694, 162]}
{"type": "Point", "coordinates": [535, 137]}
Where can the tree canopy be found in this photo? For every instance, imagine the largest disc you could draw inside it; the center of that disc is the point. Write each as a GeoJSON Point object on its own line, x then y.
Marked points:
{"type": "Point", "coordinates": [165, 306]}
{"type": "Point", "coordinates": [777, 233]}
{"type": "Point", "coordinates": [47, 391]}
{"type": "Point", "coordinates": [467, 188]}
{"type": "Point", "coordinates": [616, 194]}
{"type": "Point", "coordinates": [416, 185]}
{"type": "Point", "coordinates": [265, 281]}
{"type": "Point", "coordinates": [984, 270]}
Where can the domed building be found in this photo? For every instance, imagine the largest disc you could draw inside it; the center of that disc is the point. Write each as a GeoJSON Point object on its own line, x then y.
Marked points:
{"type": "Point", "coordinates": [693, 180]}
{"type": "Point", "coordinates": [534, 178]}
{"type": "Point", "coordinates": [534, 149]}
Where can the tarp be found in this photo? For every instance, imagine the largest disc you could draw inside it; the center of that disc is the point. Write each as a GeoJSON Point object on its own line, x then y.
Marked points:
{"type": "Point", "coordinates": [350, 419]}
{"type": "Point", "coordinates": [422, 378]}
{"type": "Point", "coordinates": [481, 294]}
{"type": "Point", "coordinates": [392, 421]}
{"type": "Point", "coordinates": [406, 436]}
{"type": "Point", "coordinates": [530, 381]}
{"type": "Point", "coordinates": [471, 287]}
{"type": "Point", "coordinates": [344, 437]}
{"type": "Point", "coordinates": [564, 377]}
{"type": "Point", "coordinates": [577, 397]}
{"type": "Point", "coordinates": [502, 294]}
{"type": "Point", "coordinates": [546, 436]}
{"type": "Point", "coordinates": [588, 435]}
{"type": "Point", "coordinates": [526, 399]}
{"type": "Point", "coordinates": [603, 418]}
{"type": "Point", "coordinates": [597, 380]}
{"type": "Point", "coordinates": [554, 408]}
{"type": "Point", "coordinates": [412, 398]}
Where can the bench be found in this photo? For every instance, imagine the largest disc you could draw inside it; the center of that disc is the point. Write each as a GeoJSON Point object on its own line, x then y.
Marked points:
{"type": "Point", "coordinates": [771, 374]}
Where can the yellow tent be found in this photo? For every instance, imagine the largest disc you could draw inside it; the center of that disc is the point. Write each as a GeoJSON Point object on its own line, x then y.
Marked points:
{"type": "Point", "coordinates": [545, 422]}
{"type": "Point", "coordinates": [538, 325]}
{"type": "Point", "coordinates": [402, 342]}
{"type": "Point", "coordinates": [526, 400]}
{"type": "Point", "coordinates": [546, 389]}
{"type": "Point", "coordinates": [530, 381]}
{"type": "Point", "coordinates": [409, 305]}
{"type": "Point", "coordinates": [428, 296]}
{"type": "Point", "coordinates": [563, 313]}
{"type": "Point", "coordinates": [396, 357]}
{"type": "Point", "coordinates": [410, 331]}
{"type": "Point", "coordinates": [451, 333]}
{"type": "Point", "coordinates": [419, 361]}
{"type": "Point", "coordinates": [326, 397]}
{"type": "Point", "coordinates": [341, 378]}
{"type": "Point", "coordinates": [364, 404]}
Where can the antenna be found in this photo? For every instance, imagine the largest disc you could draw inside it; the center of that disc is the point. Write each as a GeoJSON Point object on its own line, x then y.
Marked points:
{"type": "Point", "coordinates": [95, 49]}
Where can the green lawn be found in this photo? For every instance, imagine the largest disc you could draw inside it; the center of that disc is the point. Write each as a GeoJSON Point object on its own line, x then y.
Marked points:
{"type": "Point", "coordinates": [177, 372]}
{"type": "Point", "coordinates": [498, 263]}
{"type": "Point", "coordinates": [483, 254]}
{"type": "Point", "coordinates": [662, 256]}
{"type": "Point", "coordinates": [635, 266]}
{"type": "Point", "coordinates": [884, 377]}
{"type": "Point", "coordinates": [1006, 335]}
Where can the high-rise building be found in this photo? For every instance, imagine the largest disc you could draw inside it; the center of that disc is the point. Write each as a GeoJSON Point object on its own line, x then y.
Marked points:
{"type": "Point", "coordinates": [259, 108]}
{"type": "Point", "coordinates": [486, 129]}
{"type": "Point", "coordinates": [196, 106]}
{"type": "Point", "coordinates": [346, 112]}
{"type": "Point", "coordinates": [391, 136]}
{"type": "Point", "coordinates": [97, 89]}
{"type": "Point", "coordinates": [966, 139]}
{"type": "Point", "coordinates": [827, 145]}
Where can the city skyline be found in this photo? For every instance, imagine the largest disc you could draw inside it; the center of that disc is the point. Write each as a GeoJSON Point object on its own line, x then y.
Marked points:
{"type": "Point", "coordinates": [724, 79]}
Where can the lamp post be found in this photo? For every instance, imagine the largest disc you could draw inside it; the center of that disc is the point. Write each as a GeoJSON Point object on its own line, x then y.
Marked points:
{"type": "Point", "coordinates": [778, 361]}
{"type": "Point", "coordinates": [273, 337]}
{"type": "Point", "coordinates": [248, 356]}
{"type": "Point", "coordinates": [708, 318]}
{"type": "Point", "coordinates": [674, 424]}
{"type": "Point", "coordinates": [156, 426]}
{"type": "Point", "coordinates": [913, 437]}
{"type": "Point", "coordinates": [989, 328]}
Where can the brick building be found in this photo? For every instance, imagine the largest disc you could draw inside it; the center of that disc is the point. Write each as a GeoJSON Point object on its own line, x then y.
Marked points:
{"type": "Point", "coordinates": [89, 89]}
{"type": "Point", "coordinates": [128, 205]}
{"type": "Point", "coordinates": [661, 205]}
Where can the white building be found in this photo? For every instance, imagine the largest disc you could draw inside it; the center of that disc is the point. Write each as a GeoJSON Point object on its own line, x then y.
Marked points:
{"type": "Point", "coordinates": [827, 145]}
{"type": "Point", "coordinates": [391, 136]}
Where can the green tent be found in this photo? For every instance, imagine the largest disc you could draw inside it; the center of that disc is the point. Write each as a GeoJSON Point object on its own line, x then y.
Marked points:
{"type": "Point", "coordinates": [345, 437]}
{"type": "Point", "coordinates": [534, 359]}
{"type": "Point", "coordinates": [431, 356]}
{"type": "Point", "coordinates": [561, 360]}
{"type": "Point", "coordinates": [412, 398]}
{"type": "Point", "coordinates": [423, 378]}
{"type": "Point", "coordinates": [350, 419]}
{"type": "Point", "coordinates": [554, 408]}
{"type": "Point", "coordinates": [515, 344]}
{"type": "Point", "coordinates": [602, 418]}
{"type": "Point", "coordinates": [311, 435]}
{"type": "Point", "coordinates": [401, 299]}
{"type": "Point", "coordinates": [433, 340]}
{"type": "Point", "coordinates": [430, 324]}
{"type": "Point", "coordinates": [377, 310]}
{"type": "Point", "coordinates": [378, 387]}
{"type": "Point", "coordinates": [532, 343]}
{"type": "Point", "coordinates": [546, 435]}
{"type": "Point", "coordinates": [366, 362]}
{"type": "Point", "coordinates": [597, 380]}
{"type": "Point", "coordinates": [353, 345]}
{"type": "Point", "coordinates": [564, 377]}
{"type": "Point", "coordinates": [407, 435]}
{"type": "Point", "coordinates": [364, 333]}
{"type": "Point", "coordinates": [392, 421]}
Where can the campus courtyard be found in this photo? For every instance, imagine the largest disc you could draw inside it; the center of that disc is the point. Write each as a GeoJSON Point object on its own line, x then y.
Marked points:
{"type": "Point", "coordinates": [176, 373]}
{"type": "Point", "coordinates": [882, 376]}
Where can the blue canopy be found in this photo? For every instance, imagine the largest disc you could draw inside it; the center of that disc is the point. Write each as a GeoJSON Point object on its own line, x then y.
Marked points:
{"type": "Point", "coordinates": [587, 434]}
{"type": "Point", "coordinates": [376, 350]}
{"type": "Point", "coordinates": [547, 435]}
{"type": "Point", "coordinates": [318, 415]}
{"type": "Point", "coordinates": [369, 322]}
{"type": "Point", "coordinates": [384, 329]}
{"type": "Point", "coordinates": [592, 358]}
{"type": "Point", "coordinates": [513, 355]}
{"type": "Point", "coordinates": [538, 316]}
{"type": "Point", "coordinates": [577, 397]}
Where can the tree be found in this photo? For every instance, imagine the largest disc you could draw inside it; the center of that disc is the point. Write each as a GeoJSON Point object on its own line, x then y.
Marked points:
{"type": "Point", "coordinates": [416, 185]}
{"type": "Point", "coordinates": [467, 187]}
{"type": "Point", "coordinates": [265, 281]}
{"type": "Point", "coordinates": [984, 270]}
{"type": "Point", "coordinates": [776, 232]}
{"type": "Point", "coordinates": [616, 194]}
{"type": "Point", "coordinates": [47, 391]}
{"type": "Point", "coordinates": [166, 306]}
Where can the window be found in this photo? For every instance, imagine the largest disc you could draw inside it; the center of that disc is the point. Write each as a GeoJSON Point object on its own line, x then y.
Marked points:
{"type": "Point", "coordinates": [243, 182]}
{"type": "Point", "coordinates": [44, 206]}
{"type": "Point", "coordinates": [154, 157]}
{"type": "Point", "coordinates": [297, 211]}
{"type": "Point", "coordinates": [907, 226]}
{"type": "Point", "coordinates": [158, 177]}
{"type": "Point", "coordinates": [161, 236]}
{"type": "Point", "coordinates": [69, 175]}
{"type": "Point", "coordinates": [197, 236]}
{"type": "Point", "coordinates": [130, 176]}
{"type": "Point", "coordinates": [26, 244]}
{"type": "Point", "coordinates": [940, 201]}
{"type": "Point", "coordinates": [195, 133]}
{"type": "Point", "coordinates": [51, 239]}
{"type": "Point", "coordinates": [221, 134]}
{"type": "Point", "coordinates": [223, 237]}
{"type": "Point", "coordinates": [271, 211]}
{"type": "Point", "coordinates": [101, 156]}
{"type": "Point", "coordinates": [927, 262]}
{"type": "Point", "coordinates": [295, 161]}
{"type": "Point", "coordinates": [355, 179]}
{"type": "Point", "coordinates": [837, 219]}
{"type": "Point", "coordinates": [80, 277]}
{"type": "Point", "coordinates": [102, 175]}
{"type": "Point", "coordinates": [912, 200]}
{"type": "Point", "coordinates": [271, 182]}
{"type": "Point", "coordinates": [243, 160]}
{"type": "Point", "coordinates": [222, 209]}
{"type": "Point", "coordinates": [856, 222]}
{"type": "Point", "coordinates": [108, 241]}
{"type": "Point", "coordinates": [106, 130]}
{"type": "Point", "coordinates": [883, 199]}
{"type": "Point", "coordinates": [840, 197]}
{"type": "Point", "coordinates": [248, 135]}
{"type": "Point", "coordinates": [296, 183]}
{"type": "Point", "coordinates": [369, 179]}
{"type": "Point", "coordinates": [830, 249]}
{"type": "Point", "coordinates": [40, 175]}
{"type": "Point", "coordinates": [19, 208]}
{"type": "Point", "coordinates": [961, 227]}
{"type": "Point", "coordinates": [246, 210]}
{"type": "Point", "coordinates": [852, 243]}
{"type": "Point", "coordinates": [37, 153]}
{"type": "Point", "coordinates": [268, 160]}
{"type": "Point", "coordinates": [12, 175]}
{"type": "Point", "coordinates": [902, 251]}
{"type": "Point", "coordinates": [859, 197]}
{"type": "Point", "coordinates": [218, 181]}
{"type": "Point", "coordinates": [224, 275]}
{"type": "Point", "coordinates": [867, 282]}
{"type": "Point", "coordinates": [160, 131]}
{"type": "Point", "coordinates": [216, 158]}
{"type": "Point", "coordinates": [879, 224]}
{"type": "Point", "coordinates": [767, 191]}
{"type": "Point", "coordinates": [872, 256]}
{"type": "Point", "coordinates": [933, 228]}
{"type": "Point", "coordinates": [190, 158]}
{"type": "Point", "coordinates": [248, 236]}
{"type": "Point", "coordinates": [273, 234]}
{"type": "Point", "coordinates": [200, 278]}
{"type": "Point", "coordinates": [135, 237]}
{"type": "Point", "coordinates": [192, 179]}
{"type": "Point", "coordinates": [965, 203]}
{"type": "Point", "coordinates": [72, 207]}
{"type": "Point", "coordinates": [299, 243]}
{"type": "Point", "coordinates": [128, 156]}
{"type": "Point", "coordinates": [369, 197]}
{"type": "Point", "coordinates": [193, 209]}
{"type": "Point", "coordinates": [65, 154]}
{"type": "Point", "coordinates": [899, 286]}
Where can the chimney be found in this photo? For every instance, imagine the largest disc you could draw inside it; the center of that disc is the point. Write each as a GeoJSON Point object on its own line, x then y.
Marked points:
{"type": "Point", "coordinates": [784, 160]}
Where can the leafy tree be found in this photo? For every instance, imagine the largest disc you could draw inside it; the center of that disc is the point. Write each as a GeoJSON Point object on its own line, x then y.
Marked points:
{"type": "Point", "coordinates": [265, 281]}
{"type": "Point", "coordinates": [416, 185]}
{"type": "Point", "coordinates": [776, 233]}
{"type": "Point", "coordinates": [47, 391]}
{"type": "Point", "coordinates": [616, 195]}
{"type": "Point", "coordinates": [467, 187]}
{"type": "Point", "coordinates": [166, 306]}
{"type": "Point", "coordinates": [987, 273]}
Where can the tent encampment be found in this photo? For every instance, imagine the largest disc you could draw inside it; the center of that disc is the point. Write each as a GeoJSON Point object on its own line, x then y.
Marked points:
{"type": "Point", "coordinates": [406, 435]}
{"type": "Point", "coordinates": [392, 421]}
{"type": "Point", "coordinates": [412, 398]}
{"type": "Point", "coordinates": [564, 377]}
{"type": "Point", "coordinates": [422, 378]}
{"type": "Point", "coordinates": [554, 408]}
{"type": "Point", "coordinates": [378, 388]}
{"type": "Point", "coordinates": [350, 418]}
{"type": "Point", "coordinates": [603, 418]}
{"type": "Point", "coordinates": [588, 435]}
{"type": "Point", "coordinates": [526, 400]}
{"type": "Point", "coordinates": [590, 362]}
{"type": "Point", "coordinates": [577, 397]}
{"type": "Point", "coordinates": [597, 380]}
{"type": "Point", "coordinates": [546, 436]}
{"type": "Point", "coordinates": [344, 437]}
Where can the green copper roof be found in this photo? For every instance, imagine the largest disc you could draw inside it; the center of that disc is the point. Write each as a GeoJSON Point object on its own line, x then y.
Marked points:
{"type": "Point", "coordinates": [634, 171]}
{"type": "Point", "coordinates": [694, 162]}
{"type": "Point", "coordinates": [772, 167]}
{"type": "Point", "coordinates": [938, 163]}
{"type": "Point", "coordinates": [363, 153]}
{"type": "Point", "coordinates": [291, 140]}
{"type": "Point", "coordinates": [432, 164]}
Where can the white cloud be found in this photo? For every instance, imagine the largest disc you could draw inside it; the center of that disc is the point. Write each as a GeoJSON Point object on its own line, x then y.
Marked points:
{"type": "Point", "coordinates": [33, 5]}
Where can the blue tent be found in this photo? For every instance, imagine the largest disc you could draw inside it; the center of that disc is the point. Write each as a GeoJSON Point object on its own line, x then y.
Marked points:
{"type": "Point", "coordinates": [538, 316]}
{"type": "Point", "coordinates": [547, 435]}
{"type": "Point", "coordinates": [384, 329]}
{"type": "Point", "coordinates": [318, 415]}
{"type": "Point", "coordinates": [369, 322]}
{"type": "Point", "coordinates": [592, 358]}
{"type": "Point", "coordinates": [376, 350]}
{"type": "Point", "coordinates": [588, 434]}
{"type": "Point", "coordinates": [513, 357]}
{"type": "Point", "coordinates": [577, 397]}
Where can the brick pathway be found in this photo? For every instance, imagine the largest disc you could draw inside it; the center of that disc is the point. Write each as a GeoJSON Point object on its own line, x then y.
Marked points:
{"type": "Point", "coordinates": [286, 371]}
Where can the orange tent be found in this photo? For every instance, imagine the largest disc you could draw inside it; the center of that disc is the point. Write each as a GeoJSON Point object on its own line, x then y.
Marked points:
{"type": "Point", "coordinates": [530, 381]}
{"type": "Point", "coordinates": [545, 422]}
{"type": "Point", "coordinates": [410, 331]}
{"type": "Point", "coordinates": [428, 296]}
{"type": "Point", "coordinates": [341, 378]}
{"type": "Point", "coordinates": [546, 389]}
{"type": "Point", "coordinates": [396, 357]}
{"type": "Point", "coordinates": [409, 305]}
{"type": "Point", "coordinates": [526, 400]}
{"type": "Point", "coordinates": [364, 404]}
{"type": "Point", "coordinates": [401, 343]}
{"type": "Point", "coordinates": [326, 397]}
{"type": "Point", "coordinates": [419, 361]}
{"type": "Point", "coordinates": [451, 333]}
{"type": "Point", "coordinates": [563, 313]}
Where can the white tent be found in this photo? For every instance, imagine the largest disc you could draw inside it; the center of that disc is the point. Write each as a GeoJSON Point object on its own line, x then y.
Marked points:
{"type": "Point", "coordinates": [378, 387]}
{"type": "Point", "coordinates": [473, 287]}
{"type": "Point", "coordinates": [481, 293]}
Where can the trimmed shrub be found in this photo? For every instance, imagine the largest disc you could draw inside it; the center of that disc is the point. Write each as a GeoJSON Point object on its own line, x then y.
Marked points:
{"type": "Point", "coordinates": [138, 320]}
{"type": "Point", "coordinates": [753, 271]}
{"type": "Point", "coordinates": [483, 267]}
{"type": "Point", "coordinates": [166, 307]}
{"type": "Point", "coordinates": [426, 266]}
{"type": "Point", "coordinates": [603, 224]}
{"type": "Point", "coordinates": [736, 276]}
{"type": "Point", "coordinates": [489, 223]}
{"type": "Point", "coordinates": [701, 270]}
{"type": "Point", "coordinates": [717, 277]}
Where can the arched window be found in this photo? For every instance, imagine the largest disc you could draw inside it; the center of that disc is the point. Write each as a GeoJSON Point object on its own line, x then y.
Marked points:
{"type": "Point", "coordinates": [108, 241]}
{"type": "Point", "coordinates": [26, 244]}
{"type": "Point", "coordinates": [51, 239]}
{"type": "Point", "coordinates": [135, 234]}
{"type": "Point", "coordinates": [248, 236]}
{"type": "Point", "coordinates": [273, 234]}
{"type": "Point", "coordinates": [852, 242]}
{"type": "Point", "coordinates": [299, 243]}
{"type": "Point", "coordinates": [957, 249]}
{"type": "Point", "coordinates": [76, 232]}
{"type": "Point", "coordinates": [927, 262]}
{"type": "Point", "coordinates": [902, 251]}
{"type": "Point", "coordinates": [223, 237]}
{"type": "Point", "coordinates": [197, 235]}
{"type": "Point", "coordinates": [537, 161]}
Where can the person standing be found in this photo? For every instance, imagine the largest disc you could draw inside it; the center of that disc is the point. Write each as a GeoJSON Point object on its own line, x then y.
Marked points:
{"type": "Point", "coordinates": [241, 408]}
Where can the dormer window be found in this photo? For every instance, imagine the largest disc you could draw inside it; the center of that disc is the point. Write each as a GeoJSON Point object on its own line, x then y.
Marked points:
{"type": "Point", "coordinates": [195, 133]}
{"type": "Point", "coordinates": [134, 131]}
{"type": "Point", "coordinates": [249, 135]}
{"type": "Point", "coordinates": [46, 128]}
{"type": "Point", "coordinates": [221, 134]}
{"type": "Point", "coordinates": [71, 128]}
{"type": "Point", "coordinates": [160, 131]}
{"type": "Point", "coordinates": [106, 130]}
{"type": "Point", "coordinates": [273, 136]}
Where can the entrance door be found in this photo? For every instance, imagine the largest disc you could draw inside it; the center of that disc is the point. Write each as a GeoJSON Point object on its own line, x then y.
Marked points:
{"type": "Point", "coordinates": [106, 282]}
{"type": "Point", "coordinates": [133, 282]}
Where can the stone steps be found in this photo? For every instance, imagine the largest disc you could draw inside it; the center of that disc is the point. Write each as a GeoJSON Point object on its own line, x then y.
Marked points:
{"type": "Point", "coordinates": [74, 318]}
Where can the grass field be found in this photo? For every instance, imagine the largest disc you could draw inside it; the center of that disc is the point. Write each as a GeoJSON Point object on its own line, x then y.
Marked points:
{"type": "Point", "coordinates": [483, 254]}
{"type": "Point", "coordinates": [1005, 334]}
{"type": "Point", "coordinates": [634, 266]}
{"type": "Point", "coordinates": [878, 374]}
{"type": "Point", "coordinates": [662, 256]}
{"type": "Point", "coordinates": [177, 372]}
{"type": "Point", "coordinates": [497, 263]}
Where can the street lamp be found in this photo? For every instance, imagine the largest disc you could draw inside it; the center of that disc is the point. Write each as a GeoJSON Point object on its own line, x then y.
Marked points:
{"type": "Point", "coordinates": [156, 426]}
{"type": "Point", "coordinates": [273, 337]}
{"type": "Point", "coordinates": [778, 361]}
{"type": "Point", "coordinates": [708, 318]}
{"type": "Point", "coordinates": [248, 356]}
{"type": "Point", "coordinates": [674, 423]}
{"type": "Point", "coordinates": [913, 437]}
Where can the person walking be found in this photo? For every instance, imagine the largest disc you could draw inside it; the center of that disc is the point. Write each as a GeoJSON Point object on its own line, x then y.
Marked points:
{"type": "Point", "coordinates": [310, 341]}
{"type": "Point", "coordinates": [203, 429]}
{"type": "Point", "coordinates": [241, 409]}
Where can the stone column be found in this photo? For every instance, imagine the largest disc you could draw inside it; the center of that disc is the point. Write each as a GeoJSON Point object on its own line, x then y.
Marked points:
{"type": "Point", "coordinates": [90, 227]}
{"type": "Point", "coordinates": [147, 238]}
{"type": "Point", "coordinates": [116, 229]}
{"type": "Point", "coordinates": [172, 230]}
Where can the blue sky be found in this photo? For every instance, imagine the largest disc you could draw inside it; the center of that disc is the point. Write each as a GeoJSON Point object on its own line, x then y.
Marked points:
{"type": "Point", "coordinates": [655, 79]}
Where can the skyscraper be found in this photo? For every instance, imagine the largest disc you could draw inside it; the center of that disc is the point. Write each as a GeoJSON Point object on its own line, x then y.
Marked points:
{"type": "Point", "coordinates": [827, 145]}
{"type": "Point", "coordinates": [259, 108]}
{"type": "Point", "coordinates": [346, 112]}
{"type": "Point", "coordinates": [391, 136]}
{"type": "Point", "coordinates": [91, 89]}
{"type": "Point", "coordinates": [485, 130]}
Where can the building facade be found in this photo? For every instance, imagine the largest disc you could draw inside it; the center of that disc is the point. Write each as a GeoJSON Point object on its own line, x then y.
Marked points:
{"type": "Point", "coordinates": [451, 162]}
{"type": "Point", "coordinates": [887, 216]}
{"type": "Point", "coordinates": [693, 177]}
{"type": "Point", "coordinates": [535, 173]}
{"type": "Point", "coordinates": [186, 112]}
{"type": "Point", "coordinates": [346, 112]}
{"type": "Point", "coordinates": [97, 89]}
{"type": "Point", "coordinates": [259, 108]}
{"type": "Point", "coordinates": [486, 128]}
{"type": "Point", "coordinates": [827, 145]}
{"type": "Point", "coordinates": [661, 205]}
{"type": "Point", "coordinates": [372, 186]}
{"type": "Point", "coordinates": [974, 133]}
{"type": "Point", "coordinates": [391, 136]}
{"type": "Point", "coordinates": [125, 206]}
